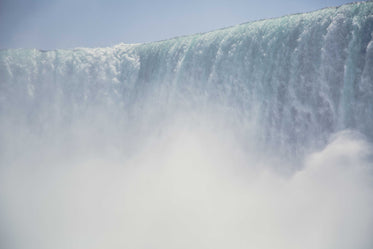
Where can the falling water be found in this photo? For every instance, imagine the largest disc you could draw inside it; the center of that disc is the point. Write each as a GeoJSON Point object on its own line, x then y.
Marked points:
{"type": "Point", "coordinates": [253, 136]}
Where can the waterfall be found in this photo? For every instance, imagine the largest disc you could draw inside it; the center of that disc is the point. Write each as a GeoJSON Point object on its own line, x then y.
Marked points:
{"type": "Point", "coordinates": [294, 93]}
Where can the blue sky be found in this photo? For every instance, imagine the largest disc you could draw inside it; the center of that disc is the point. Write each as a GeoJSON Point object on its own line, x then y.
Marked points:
{"type": "Point", "coordinates": [50, 24]}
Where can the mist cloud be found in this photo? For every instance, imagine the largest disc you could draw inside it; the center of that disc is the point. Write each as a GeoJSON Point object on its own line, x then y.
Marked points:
{"type": "Point", "coordinates": [191, 187]}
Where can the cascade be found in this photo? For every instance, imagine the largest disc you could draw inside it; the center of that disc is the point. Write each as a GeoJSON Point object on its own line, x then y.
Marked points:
{"type": "Point", "coordinates": [270, 92]}
{"type": "Point", "coordinates": [297, 78]}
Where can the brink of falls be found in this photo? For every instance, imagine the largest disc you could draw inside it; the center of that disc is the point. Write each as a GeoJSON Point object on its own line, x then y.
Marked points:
{"type": "Point", "coordinates": [76, 124]}
{"type": "Point", "coordinates": [294, 80]}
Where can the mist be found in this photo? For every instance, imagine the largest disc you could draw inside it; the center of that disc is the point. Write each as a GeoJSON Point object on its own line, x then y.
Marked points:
{"type": "Point", "coordinates": [190, 183]}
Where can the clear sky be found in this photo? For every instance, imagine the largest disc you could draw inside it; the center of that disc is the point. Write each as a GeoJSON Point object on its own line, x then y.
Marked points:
{"type": "Point", "coordinates": [50, 24]}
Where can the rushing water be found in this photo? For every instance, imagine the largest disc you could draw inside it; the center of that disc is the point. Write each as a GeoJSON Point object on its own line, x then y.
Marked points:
{"type": "Point", "coordinates": [253, 136]}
